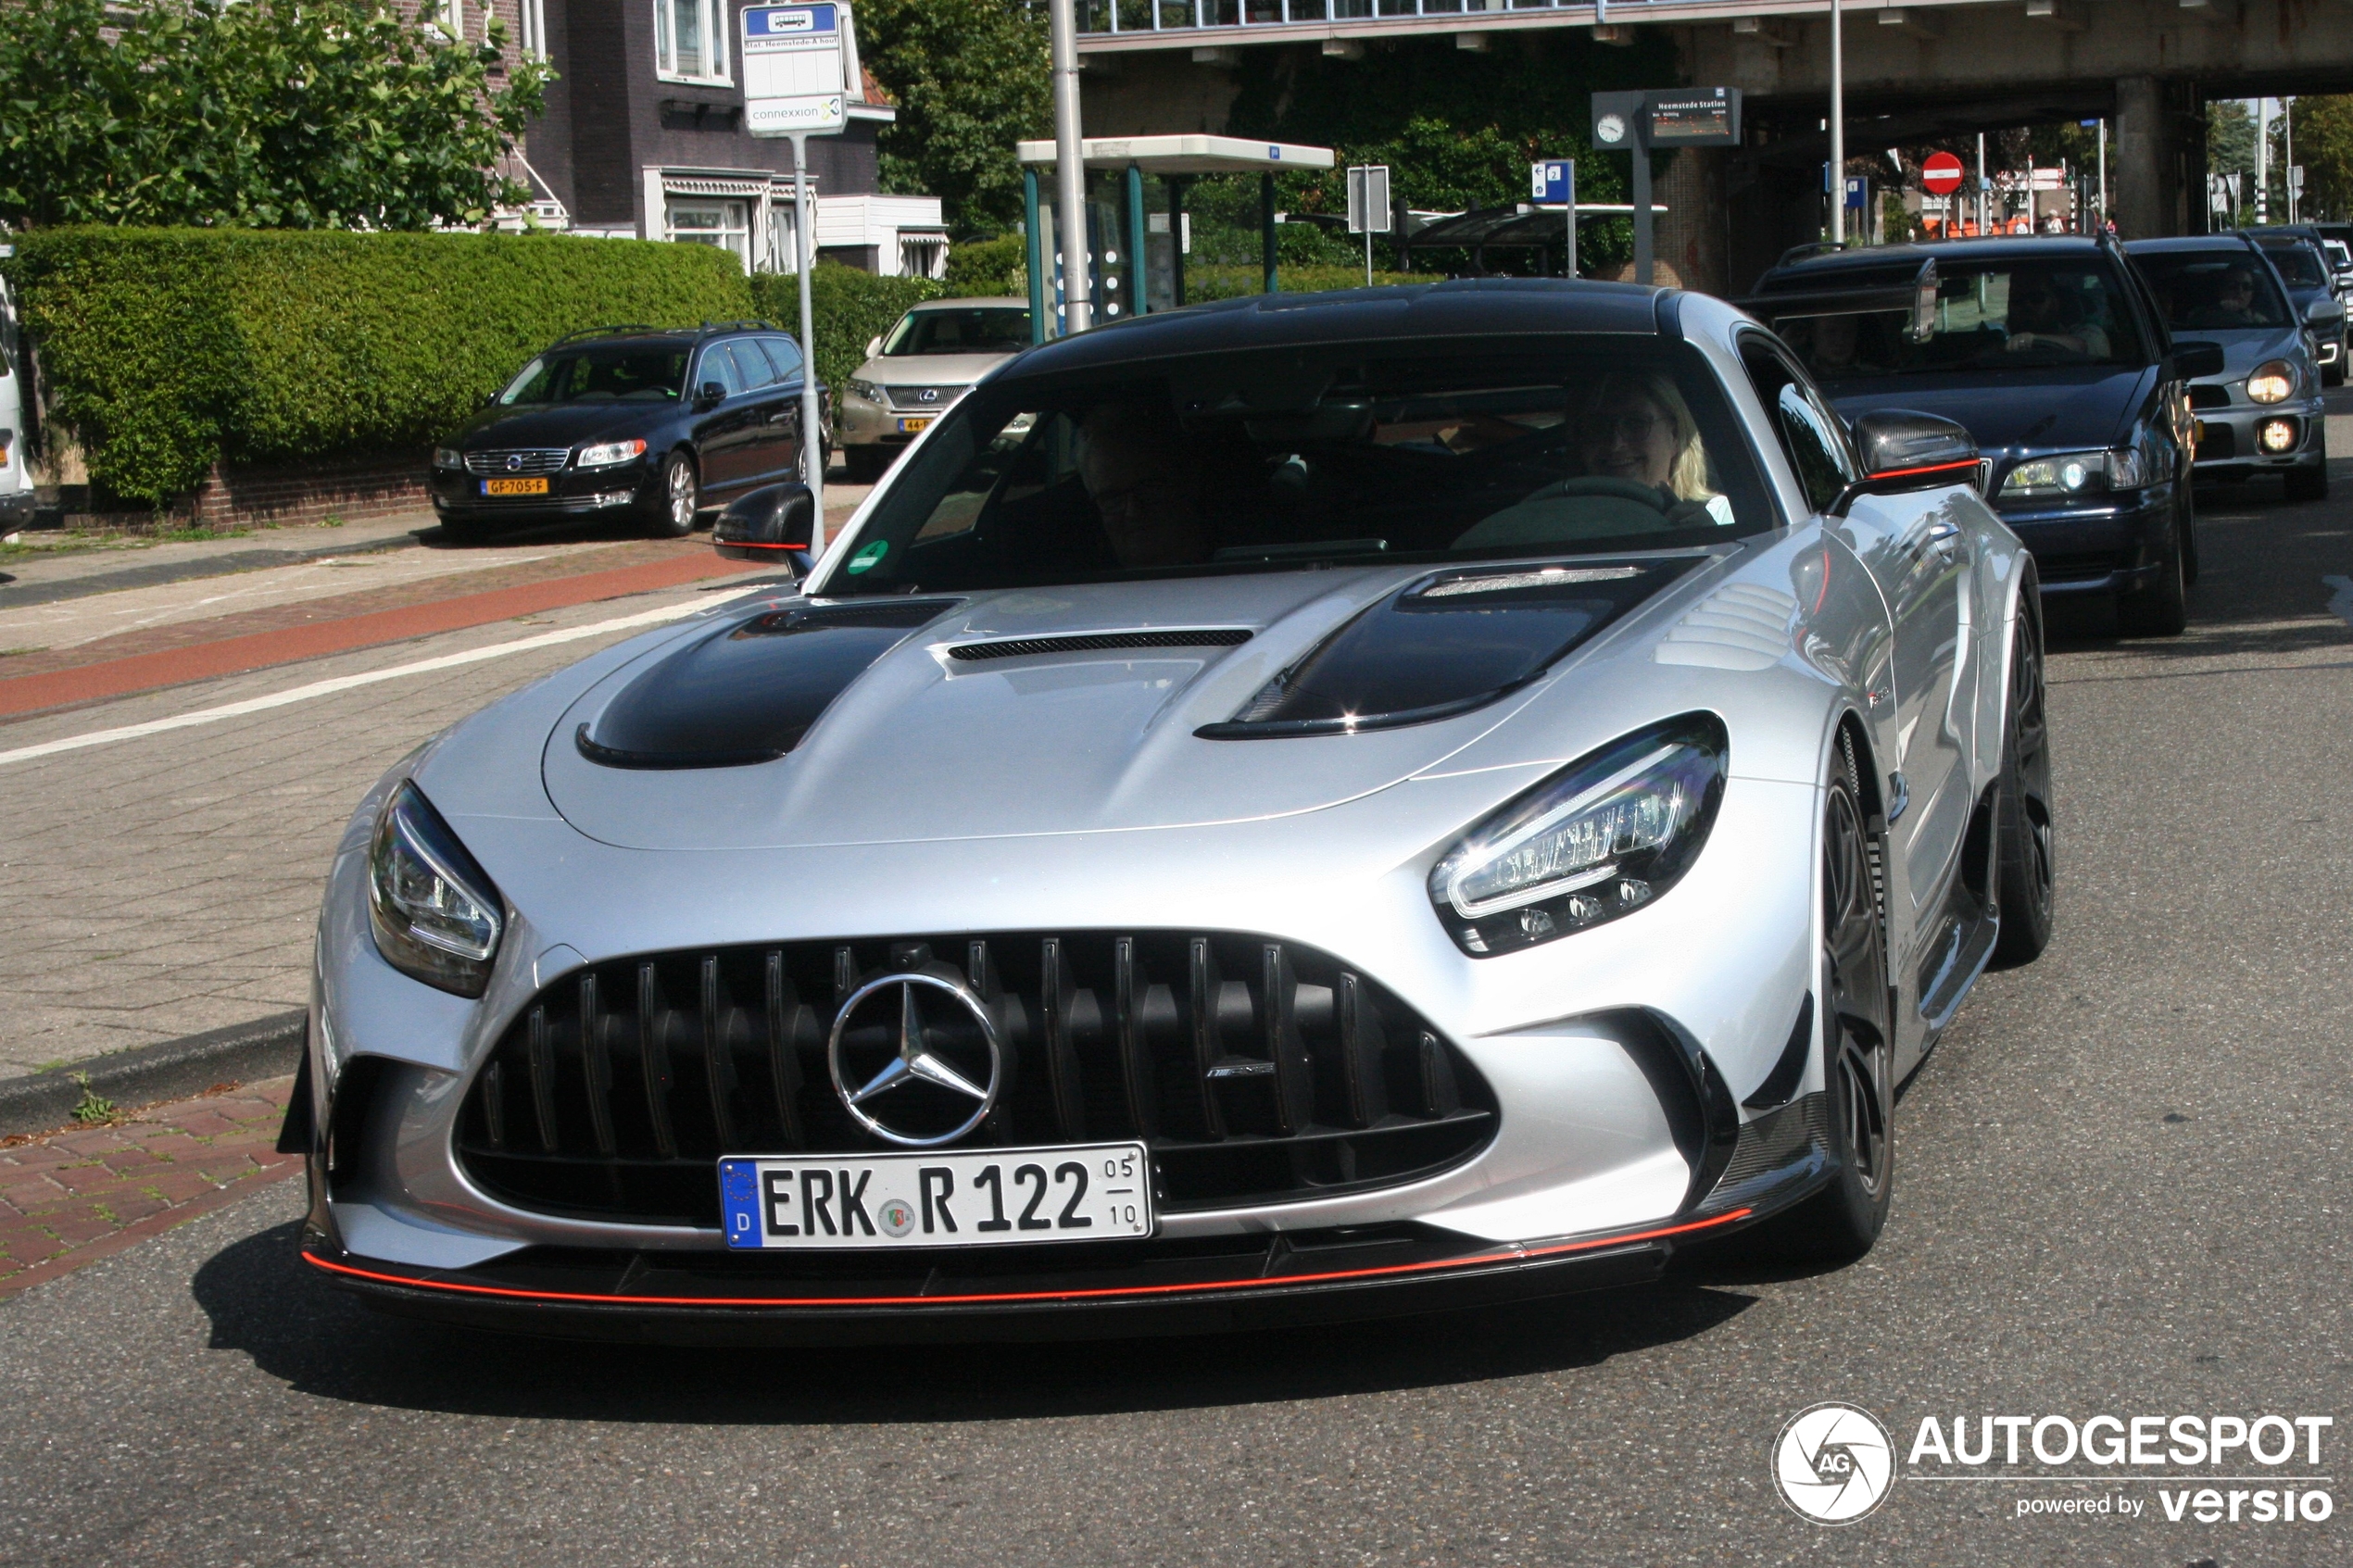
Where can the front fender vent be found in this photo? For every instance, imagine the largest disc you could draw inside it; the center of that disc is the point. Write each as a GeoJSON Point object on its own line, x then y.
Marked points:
{"type": "Point", "coordinates": [1740, 627]}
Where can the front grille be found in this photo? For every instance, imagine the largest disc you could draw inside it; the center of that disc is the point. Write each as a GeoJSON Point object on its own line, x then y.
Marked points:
{"type": "Point", "coordinates": [523, 460]}
{"type": "Point", "coordinates": [2210, 396]}
{"type": "Point", "coordinates": [1256, 1071]}
{"type": "Point", "coordinates": [922, 400]}
{"type": "Point", "coordinates": [1021, 647]}
{"type": "Point", "coordinates": [2082, 567]}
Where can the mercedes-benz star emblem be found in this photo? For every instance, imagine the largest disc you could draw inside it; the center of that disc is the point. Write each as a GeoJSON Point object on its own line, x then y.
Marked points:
{"type": "Point", "coordinates": [928, 1083]}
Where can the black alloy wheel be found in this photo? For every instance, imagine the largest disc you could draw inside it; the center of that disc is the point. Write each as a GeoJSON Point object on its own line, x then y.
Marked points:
{"type": "Point", "coordinates": [2023, 867]}
{"type": "Point", "coordinates": [681, 497]}
{"type": "Point", "coordinates": [2186, 506]}
{"type": "Point", "coordinates": [1839, 1224]}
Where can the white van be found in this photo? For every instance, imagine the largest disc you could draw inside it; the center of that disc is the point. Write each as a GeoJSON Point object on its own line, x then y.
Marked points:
{"type": "Point", "coordinates": [15, 477]}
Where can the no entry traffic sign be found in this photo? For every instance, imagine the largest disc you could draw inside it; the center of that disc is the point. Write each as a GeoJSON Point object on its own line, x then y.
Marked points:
{"type": "Point", "coordinates": [1940, 174]}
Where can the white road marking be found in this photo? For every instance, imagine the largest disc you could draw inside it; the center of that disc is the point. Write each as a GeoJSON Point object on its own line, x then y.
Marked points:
{"type": "Point", "coordinates": [346, 682]}
{"type": "Point", "coordinates": [2341, 605]}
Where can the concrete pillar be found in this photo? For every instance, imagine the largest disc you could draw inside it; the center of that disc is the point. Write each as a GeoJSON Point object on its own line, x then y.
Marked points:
{"type": "Point", "coordinates": [2143, 169]}
{"type": "Point", "coordinates": [1693, 229]}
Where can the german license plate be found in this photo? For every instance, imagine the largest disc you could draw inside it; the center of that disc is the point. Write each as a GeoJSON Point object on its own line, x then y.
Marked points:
{"type": "Point", "coordinates": [984, 1197]}
{"type": "Point", "coordinates": [514, 487]}
{"type": "Point", "coordinates": [909, 427]}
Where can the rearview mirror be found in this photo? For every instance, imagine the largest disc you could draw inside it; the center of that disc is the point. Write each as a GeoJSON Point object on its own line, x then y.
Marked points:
{"type": "Point", "coordinates": [2192, 360]}
{"type": "Point", "coordinates": [1903, 451]}
{"type": "Point", "coordinates": [775, 523]}
{"type": "Point", "coordinates": [2322, 312]}
{"type": "Point", "coordinates": [711, 395]}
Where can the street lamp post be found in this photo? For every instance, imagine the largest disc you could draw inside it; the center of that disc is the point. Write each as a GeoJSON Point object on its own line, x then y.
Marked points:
{"type": "Point", "coordinates": [1838, 124]}
{"type": "Point", "coordinates": [1070, 168]}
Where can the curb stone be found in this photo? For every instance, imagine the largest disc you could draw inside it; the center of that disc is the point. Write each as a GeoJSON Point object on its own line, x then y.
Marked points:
{"type": "Point", "coordinates": [268, 1048]}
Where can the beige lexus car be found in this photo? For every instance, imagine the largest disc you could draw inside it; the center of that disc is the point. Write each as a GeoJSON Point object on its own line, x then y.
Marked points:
{"type": "Point", "coordinates": [916, 370]}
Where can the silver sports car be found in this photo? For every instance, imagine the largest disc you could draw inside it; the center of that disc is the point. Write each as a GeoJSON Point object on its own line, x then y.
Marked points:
{"type": "Point", "coordinates": [1306, 808]}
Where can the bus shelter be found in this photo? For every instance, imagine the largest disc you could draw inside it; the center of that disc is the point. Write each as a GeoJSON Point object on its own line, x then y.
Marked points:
{"type": "Point", "coordinates": [1178, 160]}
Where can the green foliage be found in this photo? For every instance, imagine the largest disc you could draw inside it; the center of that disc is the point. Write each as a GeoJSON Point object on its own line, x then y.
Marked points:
{"type": "Point", "coordinates": [1457, 130]}
{"type": "Point", "coordinates": [989, 266]}
{"type": "Point", "coordinates": [168, 350]}
{"type": "Point", "coordinates": [1205, 284]}
{"type": "Point", "coordinates": [2324, 147]}
{"type": "Point", "coordinates": [849, 307]}
{"type": "Point", "coordinates": [265, 113]}
{"type": "Point", "coordinates": [92, 1106]}
{"type": "Point", "coordinates": [971, 78]}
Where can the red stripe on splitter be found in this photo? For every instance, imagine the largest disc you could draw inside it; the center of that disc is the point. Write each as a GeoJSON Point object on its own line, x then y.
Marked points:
{"type": "Point", "coordinates": [1514, 1255]}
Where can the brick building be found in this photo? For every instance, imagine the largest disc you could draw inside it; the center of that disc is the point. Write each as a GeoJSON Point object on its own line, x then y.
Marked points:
{"type": "Point", "coordinates": [643, 138]}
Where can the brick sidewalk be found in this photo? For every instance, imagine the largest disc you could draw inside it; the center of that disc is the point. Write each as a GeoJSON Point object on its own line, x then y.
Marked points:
{"type": "Point", "coordinates": [72, 1198]}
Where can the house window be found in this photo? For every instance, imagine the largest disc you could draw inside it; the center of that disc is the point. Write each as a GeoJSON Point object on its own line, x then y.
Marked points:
{"type": "Point", "coordinates": [534, 27]}
{"type": "Point", "coordinates": [726, 224]}
{"type": "Point", "coordinates": [449, 15]}
{"type": "Point", "coordinates": [923, 256]}
{"type": "Point", "coordinates": [690, 39]}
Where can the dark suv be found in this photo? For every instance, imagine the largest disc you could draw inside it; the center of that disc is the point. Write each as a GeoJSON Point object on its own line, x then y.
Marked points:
{"type": "Point", "coordinates": [645, 421]}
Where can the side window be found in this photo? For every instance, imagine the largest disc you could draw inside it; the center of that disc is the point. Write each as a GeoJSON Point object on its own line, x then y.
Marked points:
{"type": "Point", "coordinates": [751, 364]}
{"type": "Point", "coordinates": [1809, 433]}
{"type": "Point", "coordinates": [718, 364]}
{"type": "Point", "coordinates": [785, 355]}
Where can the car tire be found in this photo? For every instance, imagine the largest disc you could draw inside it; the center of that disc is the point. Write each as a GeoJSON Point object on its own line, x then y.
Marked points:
{"type": "Point", "coordinates": [1839, 1224]}
{"type": "Point", "coordinates": [2023, 875]}
{"type": "Point", "coordinates": [2188, 504]}
{"type": "Point", "coordinates": [866, 464]}
{"type": "Point", "coordinates": [2161, 609]}
{"type": "Point", "coordinates": [679, 498]}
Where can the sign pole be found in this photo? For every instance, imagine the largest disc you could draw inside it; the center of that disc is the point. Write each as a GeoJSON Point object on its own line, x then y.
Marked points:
{"type": "Point", "coordinates": [812, 430]}
{"type": "Point", "coordinates": [1070, 168]}
{"type": "Point", "coordinates": [1838, 127]}
{"type": "Point", "coordinates": [1569, 268]}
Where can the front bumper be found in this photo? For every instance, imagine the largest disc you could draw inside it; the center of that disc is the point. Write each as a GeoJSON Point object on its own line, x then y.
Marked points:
{"type": "Point", "coordinates": [16, 507]}
{"type": "Point", "coordinates": [2229, 447]}
{"type": "Point", "coordinates": [865, 423]}
{"type": "Point", "coordinates": [457, 496]}
{"type": "Point", "coordinates": [2115, 545]}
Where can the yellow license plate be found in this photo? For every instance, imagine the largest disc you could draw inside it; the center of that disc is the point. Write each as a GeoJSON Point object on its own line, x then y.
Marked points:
{"type": "Point", "coordinates": [2197, 434]}
{"type": "Point", "coordinates": [514, 487]}
{"type": "Point", "coordinates": [909, 427]}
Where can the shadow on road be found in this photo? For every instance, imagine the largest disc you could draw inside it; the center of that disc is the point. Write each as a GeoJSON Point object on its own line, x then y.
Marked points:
{"type": "Point", "coordinates": [264, 1303]}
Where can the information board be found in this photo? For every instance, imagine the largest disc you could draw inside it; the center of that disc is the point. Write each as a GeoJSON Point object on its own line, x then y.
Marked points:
{"type": "Point", "coordinates": [1696, 116]}
{"type": "Point", "coordinates": [792, 69]}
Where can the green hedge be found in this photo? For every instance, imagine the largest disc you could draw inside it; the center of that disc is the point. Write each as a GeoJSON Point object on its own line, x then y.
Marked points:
{"type": "Point", "coordinates": [989, 266]}
{"type": "Point", "coordinates": [167, 350]}
{"type": "Point", "coordinates": [1205, 284]}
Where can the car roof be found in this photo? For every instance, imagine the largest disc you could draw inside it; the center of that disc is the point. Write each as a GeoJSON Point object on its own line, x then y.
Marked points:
{"type": "Point", "coordinates": [1404, 312]}
{"type": "Point", "coordinates": [681, 336]}
{"type": "Point", "coordinates": [2228, 240]}
{"type": "Point", "coordinates": [968, 301]}
{"type": "Point", "coordinates": [1872, 258]}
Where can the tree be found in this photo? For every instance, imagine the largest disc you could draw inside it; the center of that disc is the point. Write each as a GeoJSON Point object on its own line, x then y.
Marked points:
{"type": "Point", "coordinates": [971, 78]}
{"type": "Point", "coordinates": [274, 114]}
{"type": "Point", "coordinates": [2324, 147]}
{"type": "Point", "coordinates": [2230, 148]}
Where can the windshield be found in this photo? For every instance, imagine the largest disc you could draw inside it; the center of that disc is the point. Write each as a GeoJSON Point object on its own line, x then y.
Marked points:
{"type": "Point", "coordinates": [1998, 316]}
{"type": "Point", "coordinates": [995, 329]}
{"type": "Point", "coordinates": [617, 374]}
{"type": "Point", "coordinates": [2299, 266]}
{"type": "Point", "coordinates": [1283, 460]}
{"type": "Point", "coordinates": [2213, 290]}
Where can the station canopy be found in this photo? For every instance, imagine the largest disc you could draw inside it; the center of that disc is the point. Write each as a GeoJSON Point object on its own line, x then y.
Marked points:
{"type": "Point", "coordinates": [1186, 155]}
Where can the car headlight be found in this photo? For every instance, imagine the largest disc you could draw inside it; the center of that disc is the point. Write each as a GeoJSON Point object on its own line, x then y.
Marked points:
{"type": "Point", "coordinates": [2272, 382]}
{"type": "Point", "coordinates": [448, 457]}
{"type": "Point", "coordinates": [2072, 473]}
{"type": "Point", "coordinates": [865, 389]}
{"type": "Point", "coordinates": [606, 453]}
{"type": "Point", "coordinates": [1599, 839]}
{"type": "Point", "coordinates": [435, 916]}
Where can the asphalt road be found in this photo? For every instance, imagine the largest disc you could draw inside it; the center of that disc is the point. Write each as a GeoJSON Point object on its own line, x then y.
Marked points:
{"type": "Point", "coordinates": [2122, 1190]}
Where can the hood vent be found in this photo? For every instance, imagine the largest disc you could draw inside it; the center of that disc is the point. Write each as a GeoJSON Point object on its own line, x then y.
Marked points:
{"type": "Point", "coordinates": [1446, 645]}
{"type": "Point", "coordinates": [748, 693]}
{"type": "Point", "coordinates": [1101, 642]}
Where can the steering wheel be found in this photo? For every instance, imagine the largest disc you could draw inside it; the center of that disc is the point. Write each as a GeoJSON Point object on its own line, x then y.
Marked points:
{"type": "Point", "coordinates": [1616, 489]}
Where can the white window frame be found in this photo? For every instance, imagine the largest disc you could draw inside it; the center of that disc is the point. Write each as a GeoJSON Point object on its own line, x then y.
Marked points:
{"type": "Point", "coordinates": [718, 16]}
{"type": "Point", "coordinates": [532, 22]}
{"type": "Point", "coordinates": [733, 233]}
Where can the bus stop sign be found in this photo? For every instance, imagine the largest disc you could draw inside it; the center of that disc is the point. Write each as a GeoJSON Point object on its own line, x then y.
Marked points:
{"type": "Point", "coordinates": [792, 71]}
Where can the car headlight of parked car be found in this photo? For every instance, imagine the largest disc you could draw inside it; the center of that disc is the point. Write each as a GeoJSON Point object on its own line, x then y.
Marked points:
{"type": "Point", "coordinates": [448, 457]}
{"type": "Point", "coordinates": [865, 389]}
{"type": "Point", "coordinates": [2072, 473]}
{"type": "Point", "coordinates": [2274, 382]}
{"type": "Point", "coordinates": [606, 454]}
{"type": "Point", "coordinates": [1597, 840]}
{"type": "Point", "coordinates": [436, 917]}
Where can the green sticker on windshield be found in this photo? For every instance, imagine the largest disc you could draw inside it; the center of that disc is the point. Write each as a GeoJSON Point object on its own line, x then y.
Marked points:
{"type": "Point", "coordinates": [869, 557]}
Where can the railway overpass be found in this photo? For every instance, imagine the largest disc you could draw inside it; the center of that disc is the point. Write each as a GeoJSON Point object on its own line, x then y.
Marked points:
{"type": "Point", "coordinates": [1913, 71]}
